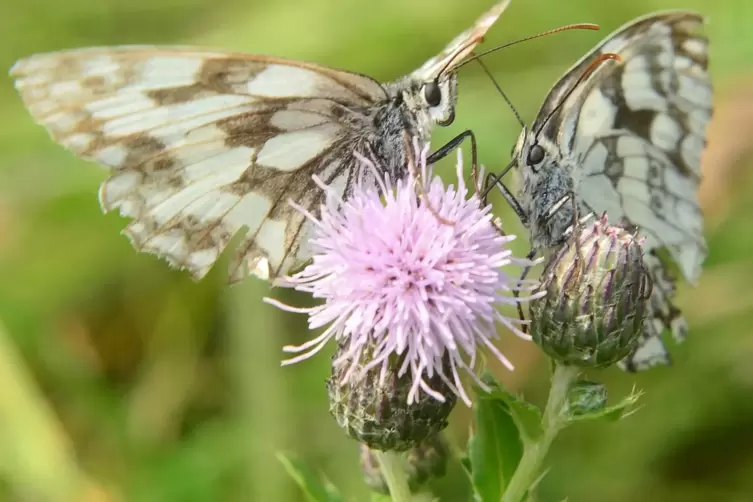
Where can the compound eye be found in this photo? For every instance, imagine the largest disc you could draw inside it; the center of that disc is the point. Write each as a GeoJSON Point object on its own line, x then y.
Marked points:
{"type": "Point", "coordinates": [535, 155]}
{"type": "Point", "coordinates": [432, 93]}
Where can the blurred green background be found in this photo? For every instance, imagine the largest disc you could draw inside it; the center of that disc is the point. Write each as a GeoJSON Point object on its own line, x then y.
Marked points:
{"type": "Point", "coordinates": [121, 380]}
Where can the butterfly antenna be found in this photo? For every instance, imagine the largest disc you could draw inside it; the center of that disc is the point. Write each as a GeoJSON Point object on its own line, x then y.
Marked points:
{"type": "Point", "coordinates": [477, 57]}
{"type": "Point", "coordinates": [501, 92]}
{"type": "Point", "coordinates": [578, 26]}
{"type": "Point", "coordinates": [608, 56]}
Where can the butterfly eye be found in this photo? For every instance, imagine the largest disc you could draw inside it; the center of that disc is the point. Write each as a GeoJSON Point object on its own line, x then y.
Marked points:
{"type": "Point", "coordinates": [535, 155]}
{"type": "Point", "coordinates": [432, 93]}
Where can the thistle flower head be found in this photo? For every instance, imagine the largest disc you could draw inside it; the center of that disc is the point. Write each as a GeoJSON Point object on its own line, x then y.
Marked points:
{"type": "Point", "coordinates": [414, 269]}
{"type": "Point", "coordinates": [372, 408]}
{"type": "Point", "coordinates": [596, 290]}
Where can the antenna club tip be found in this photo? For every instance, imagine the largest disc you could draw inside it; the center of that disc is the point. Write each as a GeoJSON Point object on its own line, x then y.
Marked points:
{"type": "Point", "coordinates": [576, 26]}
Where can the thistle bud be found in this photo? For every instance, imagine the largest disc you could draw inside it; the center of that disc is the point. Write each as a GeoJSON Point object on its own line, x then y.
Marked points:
{"type": "Point", "coordinates": [372, 406]}
{"type": "Point", "coordinates": [420, 463]}
{"type": "Point", "coordinates": [595, 303]}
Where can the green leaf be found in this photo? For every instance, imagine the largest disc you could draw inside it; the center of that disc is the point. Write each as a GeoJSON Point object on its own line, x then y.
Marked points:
{"type": "Point", "coordinates": [614, 412]}
{"type": "Point", "coordinates": [527, 416]}
{"type": "Point", "coordinates": [316, 489]}
{"type": "Point", "coordinates": [494, 451]}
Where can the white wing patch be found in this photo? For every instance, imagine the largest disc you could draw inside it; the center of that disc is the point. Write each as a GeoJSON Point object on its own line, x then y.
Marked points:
{"type": "Point", "coordinates": [289, 151]}
{"type": "Point", "coordinates": [197, 148]}
{"type": "Point", "coordinates": [625, 177]}
{"type": "Point", "coordinates": [283, 81]}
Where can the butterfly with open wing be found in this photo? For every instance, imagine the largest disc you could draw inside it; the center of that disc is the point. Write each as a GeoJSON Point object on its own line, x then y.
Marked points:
{"type": "Point", "coordinates": [625, 138]}
{"type": "Point", "coordinates": [203, 143]}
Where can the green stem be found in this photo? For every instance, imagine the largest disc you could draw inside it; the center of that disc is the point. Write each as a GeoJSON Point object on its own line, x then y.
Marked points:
{"type": "Point", "coordinates": [529, 468]}
{"type": "Point", "coordinates": [36, 457]}
{"type": "Point", "coordinates": [391, 464]}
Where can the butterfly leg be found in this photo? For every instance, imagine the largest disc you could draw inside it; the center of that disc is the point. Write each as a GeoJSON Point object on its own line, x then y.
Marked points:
{"type": "Point", "coordinates": [575, 229]}
{"type": "Point", "coordinates": [530, 256]}
{"type": "Point", "coordinates": [575, 220]}
{"type": "Point", "coordinates": [493, 180]}
{"type": "Point", "coordinates": [452, 145]}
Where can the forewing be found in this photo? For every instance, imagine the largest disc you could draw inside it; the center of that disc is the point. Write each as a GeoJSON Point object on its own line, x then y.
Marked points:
{"type": "Point", "coordinates": [201, 144]}
{"type": "Point", "coordinates": [638, 129]}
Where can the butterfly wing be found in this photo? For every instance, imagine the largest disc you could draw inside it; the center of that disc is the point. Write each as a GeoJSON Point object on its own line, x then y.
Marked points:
{"type": "Point", "coordinates": [637, 129]}
{"type": "Point", "coordinates": [202, 143]}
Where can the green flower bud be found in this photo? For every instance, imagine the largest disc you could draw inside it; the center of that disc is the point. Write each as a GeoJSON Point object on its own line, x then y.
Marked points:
{"type": "Point", "coordinates": [373, 408]}
{"type": "Point", "coordinates": [586, 397]}
{"type": "Point", "coordinates": [595, 303]}
{"type": "Point", "coordinates": [422, 462]}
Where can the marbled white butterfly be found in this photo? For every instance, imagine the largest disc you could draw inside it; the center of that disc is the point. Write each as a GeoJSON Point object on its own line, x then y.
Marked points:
{"type": "Point", "coordinates": [626, 138]}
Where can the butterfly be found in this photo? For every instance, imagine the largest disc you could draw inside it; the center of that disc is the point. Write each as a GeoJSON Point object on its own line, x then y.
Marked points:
{"type": "Point", "coordinates": [625, 138]}
{"type": "Point", "coordinates": [202, 143]}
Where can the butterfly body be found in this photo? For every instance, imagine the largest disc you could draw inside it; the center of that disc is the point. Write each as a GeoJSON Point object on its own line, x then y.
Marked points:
{"type": "Point", "coordinates": [548, 194]}
{"type": "Point", "coordinates": [384, 128]}
{"type": "Point", "coordinates": [203, 145]}
{"type": "Point", "coordinates": [625, 138]}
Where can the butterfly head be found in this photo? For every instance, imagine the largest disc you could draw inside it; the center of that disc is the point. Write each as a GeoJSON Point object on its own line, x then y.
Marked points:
{"type": "Point", "coordinates": [430, 92]}
{"type": "Point", "coordinates": [440, 97]}
{"type": "Point", "coordinates": [535, 153]}
{"type": "Point", "coordinates": [432, 101]}
{"type": "Point", "coordinates": [547, 188]}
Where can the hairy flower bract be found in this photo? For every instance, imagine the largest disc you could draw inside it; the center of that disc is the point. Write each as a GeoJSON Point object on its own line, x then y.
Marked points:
{"type": "Point", "coordinates": [596, 297]}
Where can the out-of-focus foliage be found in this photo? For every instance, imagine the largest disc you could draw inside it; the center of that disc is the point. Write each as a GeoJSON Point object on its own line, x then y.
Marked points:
{"type": "Point", "coordinates": [124, 380]}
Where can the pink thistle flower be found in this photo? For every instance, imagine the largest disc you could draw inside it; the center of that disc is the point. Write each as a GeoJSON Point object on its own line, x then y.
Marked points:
{"type": "Point", "coordinates": [397, 279]}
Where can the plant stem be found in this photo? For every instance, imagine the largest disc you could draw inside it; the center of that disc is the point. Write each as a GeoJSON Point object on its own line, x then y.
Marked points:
{"type": "Point", "coordinates": [529, 468]}
{"type": "Point", "coordinates": [392, 469]}
{"type": "Point", "coordinates": [37, 457]}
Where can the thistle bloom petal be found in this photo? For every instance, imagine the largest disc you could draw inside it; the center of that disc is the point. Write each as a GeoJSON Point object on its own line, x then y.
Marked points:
{"type": "Point", "coordinates": [416, 269]}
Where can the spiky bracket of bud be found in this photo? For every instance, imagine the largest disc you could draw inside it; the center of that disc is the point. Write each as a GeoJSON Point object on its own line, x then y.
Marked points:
{"type": "Point", "coordinates": [596, 291]}
{"type": "Point", "coordinates": [372, 406]}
